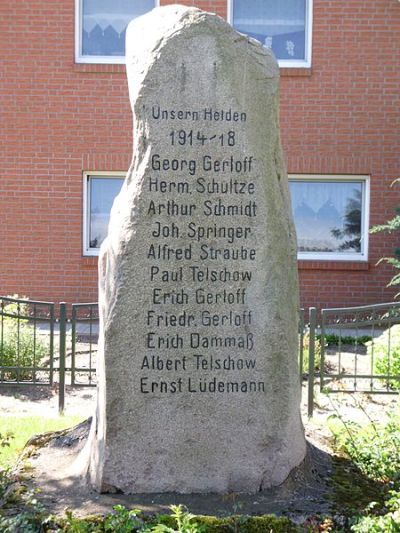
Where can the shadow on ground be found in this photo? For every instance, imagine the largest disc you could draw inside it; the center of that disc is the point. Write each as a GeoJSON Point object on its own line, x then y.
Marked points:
{"type": "Point", "coordinates": [51, 458]}
{"type": "Point", "coordinates": [30, 393]}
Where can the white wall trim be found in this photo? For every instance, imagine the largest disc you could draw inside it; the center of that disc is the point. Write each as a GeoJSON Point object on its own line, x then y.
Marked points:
{"type": "Point", "coordinates": [288, 63]}
{"type": "Point", "coordinates": [86, 175]}
{"type": "Point", "coordinates": [79, 58]}
{"type": "Point", "coordinates": [365, 211]}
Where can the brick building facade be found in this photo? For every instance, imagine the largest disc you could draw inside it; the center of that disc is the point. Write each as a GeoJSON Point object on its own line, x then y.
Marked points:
{"type": "Point", "coordinates": [65, 119]}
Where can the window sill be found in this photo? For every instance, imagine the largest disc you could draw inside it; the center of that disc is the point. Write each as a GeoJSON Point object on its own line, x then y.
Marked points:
{"type": "Point", "coordinates": [111, 68]}
{"type": "Point", "coordinates": [286, 72]}
{"type": "Point", "coordinates": [332, 265]}
{"type": "Point", "coordinates": [115, 68]}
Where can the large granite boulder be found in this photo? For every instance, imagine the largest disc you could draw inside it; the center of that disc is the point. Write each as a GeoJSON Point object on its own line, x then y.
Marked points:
{"type": "Point", "coordinates": [198, 378]}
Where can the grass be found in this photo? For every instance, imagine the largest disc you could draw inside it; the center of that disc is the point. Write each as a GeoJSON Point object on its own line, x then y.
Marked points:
{"type": "Point", "coordinates": [22, 428]}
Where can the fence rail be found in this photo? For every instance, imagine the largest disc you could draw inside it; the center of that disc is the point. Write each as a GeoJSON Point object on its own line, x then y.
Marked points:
{"type": "Point", "coordinates": [355, 349]}
{"type": "Point", "coordinates": [368, 367]}
{"type": "Point", "coordinates": [83, 358]}
{"type": "Point", "coordinates": [26, 342]}
{"type": "Point", "coordinates": [38, 348]}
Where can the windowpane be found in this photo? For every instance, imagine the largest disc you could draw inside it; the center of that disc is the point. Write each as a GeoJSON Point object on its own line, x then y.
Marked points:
{"type": "Point", "coordinates": [102, 192]}
{"type": "Point", "coordinates": [104, 24]}
{"type": "Point", "coordinates": [328, 215]}
{"type": "Point", "coordinates": [278, 25]}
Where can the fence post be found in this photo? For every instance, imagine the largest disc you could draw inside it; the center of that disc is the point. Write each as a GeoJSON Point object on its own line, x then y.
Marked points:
{"type": "Point", "coordinates": [63, 333]}
{"type": "Point", "coordinates": [311, 360]}
{"type": "Point", "coordinates": [301, 346]}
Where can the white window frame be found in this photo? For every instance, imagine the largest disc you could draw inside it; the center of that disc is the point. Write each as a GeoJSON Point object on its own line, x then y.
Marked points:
{"type": "Point", "coordinates": [341, 256]}
{"type": "Point", "coordinates": [87, 175]}
{"type": "Point", "coordinates": [79, 57]}
{"type": "Point", "coordinates": [292, 63]}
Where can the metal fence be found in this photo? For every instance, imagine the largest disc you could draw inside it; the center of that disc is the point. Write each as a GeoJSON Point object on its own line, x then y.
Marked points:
{"type": "Point", "coordinates": [26, 342]}
{"type": "Point", "coordinates": [84, 337]}
{"type": "Point", "coordinates": [39, 348]}
{"type": "Point", "coordinates": [77, 347]}
{"type": "Point", "coordinates": [353, 349]}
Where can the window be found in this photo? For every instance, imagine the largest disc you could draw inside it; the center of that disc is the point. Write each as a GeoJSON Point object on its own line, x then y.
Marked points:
{"type": "Point", "coordinates": [100, 189]}
{"type": "Point", "coordinates": [331, 216]}
{"type": "Point", "coordinates": [284, 25]}
{"type": "Point", "coordinates": [100, 27]}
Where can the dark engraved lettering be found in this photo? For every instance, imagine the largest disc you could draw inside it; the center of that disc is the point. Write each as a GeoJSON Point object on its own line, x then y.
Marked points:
{"type": "Point", "coordinates": [215, 385]}
{"type": "Point", "coordinates": [147, 387]}
{"type": "Point", "coordinates": [166, 253]}
{"type": "Point", "coordinates": [241, 342]}
{"type": "Point", "coordinates": [232, 186]}
{"type": "Point", "coordinates": [176, 187]}
{"type": "Point", "coordinates": [209, 362]}
{"type": "Point", "coordinates": [206, 114]}
{"type": "Point", "coordinates": [173, 297]}
{"type": "Point", "coordinates": [161, 164]}
{"type": "Point", "coordinates": [224, 275]}
{"type": "Point", "coordinates": [200, 242]}
{"type": "Point", "coordinates": [171, 208]}
{"type": "Point", "coordinates": [163, 342]}
{"type": "Point", "coordinates": [164, 114]}
{"type": "Point", "coordinates": [221, 115]}
{"type": "Point", "coordinates": [220, 209]}
{"type": "Point", "coordinates": [155, 362]}
{"type": "Point", "coordinates": [202, 296]}
{"type": "Point", "coordinates": [166, 231]}
{"type": "Point", "coordinates": [230, 233]}
{"type": "Point", "coordinates": [232, 165]}
{"type": "Point", "coordinates": [228, 254]}
{"type": "Point", "coordinates": [166, 275]}
{"type": "Point", "coordinates": [201, 385]}
{"type": "Point", "coordinates": [210, 319]}
{"type": "Point", "coordinates": [184, 319]}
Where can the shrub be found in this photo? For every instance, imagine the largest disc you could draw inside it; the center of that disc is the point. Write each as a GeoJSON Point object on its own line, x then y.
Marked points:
{"type": "Point", "coordinates": [19, 346]}
{"type": "Point", "coordinates": [332, 339]}
{"type": "Point", "coordinates": [374, 449]}
{"type": "Point", "coordinates": [386, 352]}
{"type": "Point", "coordinates": [387, 523]}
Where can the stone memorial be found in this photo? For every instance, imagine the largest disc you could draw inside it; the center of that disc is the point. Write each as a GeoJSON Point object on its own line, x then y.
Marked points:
{"type": "Point", "coordinates": [198, 379]}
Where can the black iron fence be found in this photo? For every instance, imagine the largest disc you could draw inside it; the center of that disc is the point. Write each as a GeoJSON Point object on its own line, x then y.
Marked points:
{"type": "Point", "coordinates": [38, 347]}
{"type": "Point", "coordinates": [26, 342]}
{"type": "Point", "coordinates": [353, 349]}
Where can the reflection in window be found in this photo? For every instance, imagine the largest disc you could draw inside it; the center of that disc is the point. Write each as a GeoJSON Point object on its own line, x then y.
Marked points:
{"type": "Point", "coordinates": [281, 25]}
{"type": "Point", "coordinates": [101, 194]}
{"type": "Point", "coordinates": [328, 215]}
{"type": "Point", "coordinates": [104, 22]}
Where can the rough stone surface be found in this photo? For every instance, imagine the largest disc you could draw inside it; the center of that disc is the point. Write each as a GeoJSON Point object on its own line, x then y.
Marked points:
{"type": "Point", "coordinates": [198, 379]}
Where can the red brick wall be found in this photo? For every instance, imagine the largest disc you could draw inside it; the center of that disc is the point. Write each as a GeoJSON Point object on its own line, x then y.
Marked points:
{"type": "Point", "coordinates": [59, 118]}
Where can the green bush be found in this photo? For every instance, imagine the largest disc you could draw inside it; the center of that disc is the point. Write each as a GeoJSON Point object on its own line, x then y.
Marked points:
{"type": "Point", "coordinates": [386, 352]}
{"type": "Point", "coordinates": [19, 347]}
{"type": "Point", "coordinates": [375, 449]}
{"type": "Point", "coordinates": [386, 523]}
{"type": "Point", "coordinates": [331, 339]}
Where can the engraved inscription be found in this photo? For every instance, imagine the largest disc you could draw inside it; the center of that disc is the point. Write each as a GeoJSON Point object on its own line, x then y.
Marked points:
{"type": "Point", "coordinates": [202, 245]}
